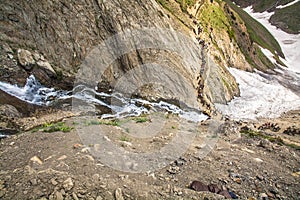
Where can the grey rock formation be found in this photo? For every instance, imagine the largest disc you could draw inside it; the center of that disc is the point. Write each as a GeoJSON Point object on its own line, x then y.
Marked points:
{"type": "Point", "coordinates": [67, 32]}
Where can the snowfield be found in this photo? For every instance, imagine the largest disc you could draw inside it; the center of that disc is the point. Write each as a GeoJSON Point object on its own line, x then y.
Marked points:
{"type": "Point", "coordinates": [290, 43]}
{"type": "Point", "coordinates": [260, 97]}
{"type": "Point", "coordinates": [265, 95]}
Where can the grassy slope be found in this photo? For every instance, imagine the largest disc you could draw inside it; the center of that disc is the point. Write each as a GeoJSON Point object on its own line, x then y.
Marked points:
{"type": "Point", "coordinates": [258, 33]}
{"type": "Point", "coordinates": [212, 16]}
{"type": "Point", "coordinates": [288, 19]}
{"type": "Point", "coordinates": [175, 11]}
{"type": "Point", "coordinates": [185, 3]}
{"type": "Point", "coordinates": [263, 5]}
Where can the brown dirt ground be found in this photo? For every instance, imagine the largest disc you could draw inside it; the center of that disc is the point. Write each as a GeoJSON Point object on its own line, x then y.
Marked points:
{"type": "Point", "coordinates": [65, 169]}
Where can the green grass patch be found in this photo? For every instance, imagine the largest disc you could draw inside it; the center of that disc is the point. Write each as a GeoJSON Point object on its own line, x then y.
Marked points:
{"type": "Point", "coordinates": [184, 4]}
{"type": "Point", "coordinates": [263, 58]}
{"type": "Point", "coordinates": [104, 122]}
{"type": "Point", "coordinates": [263, 5]}
{"type": "Point", "coordinates": [124, 138]}
{"type": "Point", "coordinates": [276, 139]}
{"type": "Point", "coordinates": [53, 127]}
{"type": "Point", "coordinates": [294, 146]}
{"type": "Point", "coordinates": [213, 16]}
{"type": "Point", "coordinates": [141, 119]}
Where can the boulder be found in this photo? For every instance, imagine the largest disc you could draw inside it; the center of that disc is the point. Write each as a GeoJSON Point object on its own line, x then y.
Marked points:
{"type": "Point", "coordinates": [25, 58]}
{"type": "Point", "coordinates": [9, 111]}
{"type": "Point", "coordinates": [45, 65]}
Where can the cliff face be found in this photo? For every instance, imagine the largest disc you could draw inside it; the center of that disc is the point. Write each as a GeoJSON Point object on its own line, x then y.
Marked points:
{"type": "Point", "coordinates": [64, 32]}
{"type": "Point", "coordinates": [50, 39]}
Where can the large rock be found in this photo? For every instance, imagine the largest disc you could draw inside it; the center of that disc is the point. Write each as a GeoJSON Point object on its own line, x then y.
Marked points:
{"type": "Point", "coordinates": [26, 59]}
{"type": "Point", "coordinates": [45, 65]}
{"type": "Point", "coordinates": [16, 105]}
{"type": "Point", "coordinates": [9, 111]}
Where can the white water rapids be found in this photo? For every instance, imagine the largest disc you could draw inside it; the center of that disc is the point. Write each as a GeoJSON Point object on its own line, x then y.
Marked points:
{"type": "Point", "coordinates": [34, 93]}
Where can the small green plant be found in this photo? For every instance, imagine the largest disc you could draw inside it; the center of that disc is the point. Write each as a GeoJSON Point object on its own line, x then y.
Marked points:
{"type": "Point", "coordinates": [141, 119]}
{"type": "Point", "coordinates": [111, 123]}
{"type": "Point", "coordinates": [104, 122]}
{"type": "Point", "coordinates": [54, 127]}
{"type": "Point", "coordinates": [124, 138]}
{"type": "Point", "coordinates": [59, 75]}
{"type": "Point", "coordinates": [75, 123]}
{"type": "Point", "coordinates": [253, 134]}
{"type": "Point", "coordinates": [173, 127]}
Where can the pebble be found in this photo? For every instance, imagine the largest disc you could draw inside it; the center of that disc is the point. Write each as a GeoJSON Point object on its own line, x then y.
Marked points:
{"type": "Point", "coordinates": [238, 180]}
{"type": "Point", "coordinates": [36, 159]}
{"type": "Point", "coordinates": [118, 194]}
{"type": "Point", "coordinates": [68, 184]}
{"type": "Point", "coordinates": [263, 196]}
{"type": "Point", "coordinates": [62, 157]}
{"type": "Point", "coordinates": [85, 150]}
{"type": "Point", "coordinates": [89, 157]}
{"type": "Point", "coordinates": [76, 146]}
{"type": "Point", "coordinates": [258, 160]}
{"type": "Point", "coordinates": [126, 144]}
{"type": "Point", "coordinates": [10, 56]}
{"type": "Point", "coordinates": [59, 196]}
{"type": "Point", "coordinates": [259, 177]}
{"type": "Point", "coordinates": [99, 198]}
{"type": "Point", "coordinates": [33, 181]}
{"type": "Point", "coordinates": [75, 196]}
{"type": "Point", "coordinates": [53, 181]}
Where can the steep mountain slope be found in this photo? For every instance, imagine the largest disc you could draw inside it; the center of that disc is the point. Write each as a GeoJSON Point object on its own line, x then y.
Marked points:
{"type": "Point", "coordinates": [286, 12]}
{"type": "Point", "coordinates": [50, 39]}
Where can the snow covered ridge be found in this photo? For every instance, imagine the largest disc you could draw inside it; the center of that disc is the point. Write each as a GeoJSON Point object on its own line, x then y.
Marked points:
{"type": "Point", "coordinates": [287, 5]}
{"type": "Point", "coordinates": [261, 96]}
{"type": "Point", "coordinates": [290, 43]}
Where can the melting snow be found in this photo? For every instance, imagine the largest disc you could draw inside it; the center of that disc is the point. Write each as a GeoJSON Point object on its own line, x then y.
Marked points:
{"type": "Point", "coordinates": [287, 5]}
{"type": "Point", "coordinates": [290, 43]}
{"type": "Point", "coordinates": [260, 97]}
{"type": "Point", "coordinates": [269, 54]}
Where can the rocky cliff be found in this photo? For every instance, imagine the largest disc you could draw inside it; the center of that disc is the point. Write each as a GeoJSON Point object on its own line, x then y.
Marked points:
{"type": "Point", "coordinates": [50, 39]}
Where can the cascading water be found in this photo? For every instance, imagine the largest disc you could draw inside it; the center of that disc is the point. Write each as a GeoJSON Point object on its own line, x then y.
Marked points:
{"type": "Point", "coordinates": [35, 93]}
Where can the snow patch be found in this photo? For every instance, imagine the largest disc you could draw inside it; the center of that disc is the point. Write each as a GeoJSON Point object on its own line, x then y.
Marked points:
{"type": "Point", "coordinates": [287, 5]}
{"type": "Point", "coordinates": [290, 43]}
{"type": "Point", "coordinates": [260, 97]}
{"type": "Point", "coordinates": [268, 54]}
